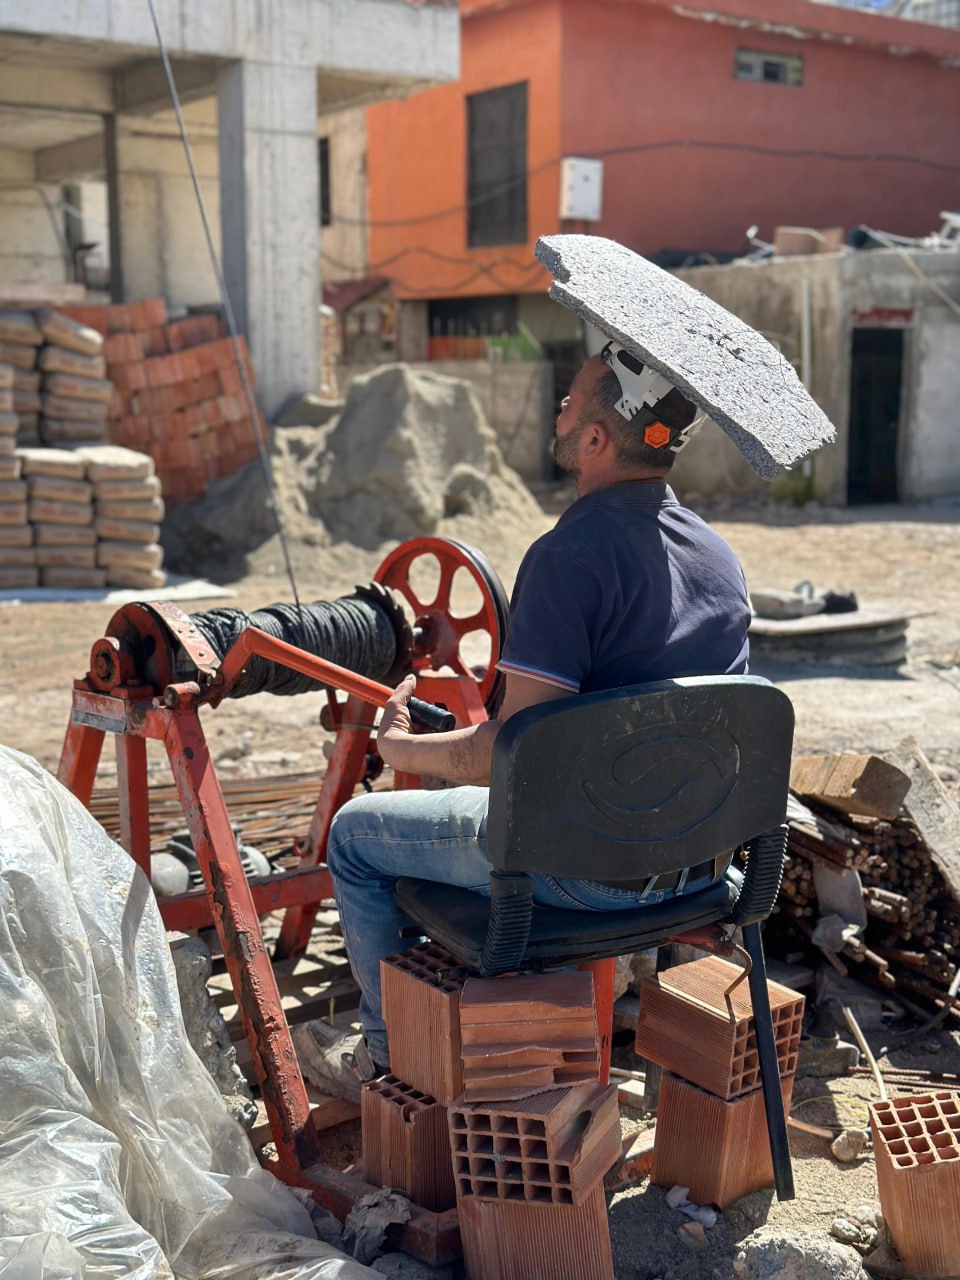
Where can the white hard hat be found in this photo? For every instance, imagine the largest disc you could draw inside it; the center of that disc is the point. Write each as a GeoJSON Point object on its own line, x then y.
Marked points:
{"type": "Point", "coordinates": [643, 389]}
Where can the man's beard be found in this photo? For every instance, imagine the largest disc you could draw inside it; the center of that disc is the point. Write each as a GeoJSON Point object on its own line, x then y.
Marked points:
{"type": "Point", "coordinates": [565, 450]}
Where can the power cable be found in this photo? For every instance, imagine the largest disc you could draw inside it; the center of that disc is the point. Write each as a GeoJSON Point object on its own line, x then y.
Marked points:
{"type": "Point", "coordinates": [529, 273]}
{"type": "Point", "coordinates": [454, 259]}
{"type": "Point", "coordinates": [411, 291]}
{"type": "Point", "coordinates": [786, 153]}
{"type": "Point", "coordinates": [249, 397]}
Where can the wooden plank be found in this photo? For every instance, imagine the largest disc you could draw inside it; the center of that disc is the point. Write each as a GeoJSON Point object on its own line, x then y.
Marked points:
{"type": "Point", "coordinates": [299, 1008]}
{"type": "Point", "coordinates": [327, 1111]}
{"type": "Point", "coordinates": [861, 784]}
{"type": "Point", "coordinates": [933, 810]}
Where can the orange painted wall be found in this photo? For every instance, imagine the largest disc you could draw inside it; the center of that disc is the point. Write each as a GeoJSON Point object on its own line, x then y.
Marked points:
{"type": "Point", "coordinates": [416, 158]}
{"type": "Point", "coordinates": [608, 76]}
{"type": "Point", "coordinates": [670, 79]}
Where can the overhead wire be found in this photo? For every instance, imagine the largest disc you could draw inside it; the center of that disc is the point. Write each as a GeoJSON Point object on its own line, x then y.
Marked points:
{"type": "Point", "coordinates": [250, 399]}
{"type": "Point", "coordinates": [665, 144]}
{"type": "Point", "coordinates": [529, 273]}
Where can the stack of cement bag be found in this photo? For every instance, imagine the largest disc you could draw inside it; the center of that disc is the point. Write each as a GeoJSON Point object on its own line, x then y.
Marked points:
{"type": "Point", "coordinates": [20, 338]}
{"type": "Point", "coordinates": [17, 565]}
{"type": "Point", "coordinates": [9, 423]}
{"type": "Point", "coordinates": [82, 518]}
{"type": "Point", "coordinates": [128, 511]}
{"type": "Point", "coordinates": [76, 394]}
{"type": "Point", "coordinates": [60, 512]}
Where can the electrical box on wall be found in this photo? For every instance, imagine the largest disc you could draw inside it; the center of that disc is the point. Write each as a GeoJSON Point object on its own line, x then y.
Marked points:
{"type": "Point", "coordinates": [581, 189]}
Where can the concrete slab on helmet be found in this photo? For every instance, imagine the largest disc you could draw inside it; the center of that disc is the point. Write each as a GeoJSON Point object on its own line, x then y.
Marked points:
{"type": "Point", "coordinates": [719, 362]}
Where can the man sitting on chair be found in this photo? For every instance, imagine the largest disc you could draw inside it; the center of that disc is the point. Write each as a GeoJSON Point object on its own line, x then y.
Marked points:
{"type": "Point", "coordinates": [629, 587]}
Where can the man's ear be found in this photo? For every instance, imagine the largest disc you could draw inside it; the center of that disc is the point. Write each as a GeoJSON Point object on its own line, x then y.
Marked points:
{"type": "Point", "coordinates": [596, 439]}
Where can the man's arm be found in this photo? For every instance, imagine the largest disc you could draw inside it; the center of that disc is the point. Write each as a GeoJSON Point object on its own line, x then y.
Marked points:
{"type": "Point", "coordinates": [463, 755]}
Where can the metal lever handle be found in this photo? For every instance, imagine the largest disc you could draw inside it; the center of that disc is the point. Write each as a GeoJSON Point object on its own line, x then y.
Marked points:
{"type": "Point", "coordinates": [252, 640]}
{"type": "Point", "coordinates": [434, 719]}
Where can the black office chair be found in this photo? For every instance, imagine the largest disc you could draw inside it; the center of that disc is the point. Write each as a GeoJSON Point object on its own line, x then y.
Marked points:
{"type": "Point", "coordinates": [655, 780]}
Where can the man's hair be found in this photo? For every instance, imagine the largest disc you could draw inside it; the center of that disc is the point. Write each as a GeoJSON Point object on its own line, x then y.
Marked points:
{"type": "Point", "coordinates": [674, 411]}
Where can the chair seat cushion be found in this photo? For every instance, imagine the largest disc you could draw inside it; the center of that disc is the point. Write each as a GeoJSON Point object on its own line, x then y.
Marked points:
{"type": "Point", "coordinates": [457, 919]}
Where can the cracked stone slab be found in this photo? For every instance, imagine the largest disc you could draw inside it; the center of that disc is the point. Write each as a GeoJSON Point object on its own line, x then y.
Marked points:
{"type": "Point", "coordinates": [728, 369]}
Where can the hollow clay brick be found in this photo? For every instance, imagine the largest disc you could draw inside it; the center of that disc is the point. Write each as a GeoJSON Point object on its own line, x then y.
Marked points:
{"type": "Point", "coordinates": [916, 1142]}
{"type": "Point", "coordinates": [523, 1035]}
{"type": "Point", "coordinates": [719, 1149]}
{"type": "Point", "coordinates": [405, 1143]}
{"type": "Point", "coordinates": [514, 1240]}
{"type": "Point", "coordinates": [553, 1148]}
{"type": "Point", "coordinates": [421, 1007]}
{"type": "Point", "coordinates": [691, 1028]}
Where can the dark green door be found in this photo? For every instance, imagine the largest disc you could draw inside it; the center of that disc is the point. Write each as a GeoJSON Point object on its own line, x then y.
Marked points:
{"type": "Point", "coordinates": [876, 375]}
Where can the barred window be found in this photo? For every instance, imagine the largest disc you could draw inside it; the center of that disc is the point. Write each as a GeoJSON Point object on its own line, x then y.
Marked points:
{"type": "Point", "coordinates": [771, 68]}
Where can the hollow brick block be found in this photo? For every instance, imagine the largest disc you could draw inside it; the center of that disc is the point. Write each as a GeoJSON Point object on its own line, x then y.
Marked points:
{"type": "Point", "coordinates": [916, 1142]}
{"type": "Point", "coordinates": [718, 1148]}
{"type": "Point", "coordinates": [514, 1240]}
{"type": "Point", "coordinates": [421, 1006]}
{"type": "Point", "coordinates": [552, 1148]}
{"type": "Point", "coordinates": [526, 1034]}
{"type": "Point", "coordinates": [405, 1143]}
{"type": "Point", "coordinates": [690, 1026]}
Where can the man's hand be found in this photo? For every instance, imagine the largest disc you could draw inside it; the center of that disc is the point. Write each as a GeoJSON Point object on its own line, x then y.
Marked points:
{"type": "Point", "coordinates": [396, 727]}
{"type": "Point", "coordinates": [462, 755]}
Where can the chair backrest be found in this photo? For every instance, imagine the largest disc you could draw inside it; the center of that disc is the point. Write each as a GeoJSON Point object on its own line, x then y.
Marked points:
{"type": "Point", "coordinates": [639, 781]}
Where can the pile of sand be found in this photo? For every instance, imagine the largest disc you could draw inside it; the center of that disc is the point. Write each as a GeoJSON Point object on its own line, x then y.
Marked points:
{"type": "Point", "coordinates": [410, 454]}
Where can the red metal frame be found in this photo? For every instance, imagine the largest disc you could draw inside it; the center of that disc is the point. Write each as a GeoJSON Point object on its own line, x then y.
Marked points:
{"type": "Point", "coordinates": [112, 699]}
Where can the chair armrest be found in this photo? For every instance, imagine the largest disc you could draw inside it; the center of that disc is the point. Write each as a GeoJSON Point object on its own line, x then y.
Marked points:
{"type": "Point", "coordinates": [508, 927]}
{"type": "Point", "coordinates": [761, 880]}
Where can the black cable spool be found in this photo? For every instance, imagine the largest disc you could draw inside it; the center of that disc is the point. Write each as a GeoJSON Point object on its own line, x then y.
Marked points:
{"type": "Point", "coordinates": [366, 633]}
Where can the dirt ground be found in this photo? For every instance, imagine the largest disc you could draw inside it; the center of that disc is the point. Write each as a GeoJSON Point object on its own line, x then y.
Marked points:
{"type": "Point", "coordinates": [907, 555]}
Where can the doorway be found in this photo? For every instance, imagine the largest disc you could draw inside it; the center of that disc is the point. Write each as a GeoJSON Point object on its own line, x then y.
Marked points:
{"type": "Point", "coordinates": [876, 380]}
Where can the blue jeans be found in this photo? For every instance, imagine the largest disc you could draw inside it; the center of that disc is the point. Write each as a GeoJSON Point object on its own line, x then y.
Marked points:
{"type": "Point", "coordinates": [430, 835]}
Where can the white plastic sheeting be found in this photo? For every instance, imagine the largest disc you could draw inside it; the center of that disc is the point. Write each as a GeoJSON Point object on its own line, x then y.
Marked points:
{"type": "Point", "coordinates": [118, 1157]}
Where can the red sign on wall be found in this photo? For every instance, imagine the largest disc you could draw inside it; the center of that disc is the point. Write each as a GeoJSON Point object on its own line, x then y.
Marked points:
{"type": "Point", "coordinates": [883, 317]}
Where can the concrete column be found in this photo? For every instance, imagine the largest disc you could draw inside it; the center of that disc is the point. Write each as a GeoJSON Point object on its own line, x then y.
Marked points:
{"type": "Point", "coordinates": [113, 206]}
{"type": "Point", "coordinates": [269, 215]}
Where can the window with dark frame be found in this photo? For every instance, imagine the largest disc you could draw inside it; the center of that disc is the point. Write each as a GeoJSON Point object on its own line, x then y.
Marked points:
{"type": "Point", "coordinates": [768, 68]}
{"type": "Point", "coordinates": [497, 166]}
{"type": "Point", "coordinates": [323, 173]}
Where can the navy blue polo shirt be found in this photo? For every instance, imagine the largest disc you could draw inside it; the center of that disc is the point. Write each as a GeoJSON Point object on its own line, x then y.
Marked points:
{"type": "Point", "coordinates": [628, 587]}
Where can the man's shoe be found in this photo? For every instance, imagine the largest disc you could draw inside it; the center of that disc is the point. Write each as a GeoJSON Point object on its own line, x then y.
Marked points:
{"type": "Point", "coordinates": [338, 1062]}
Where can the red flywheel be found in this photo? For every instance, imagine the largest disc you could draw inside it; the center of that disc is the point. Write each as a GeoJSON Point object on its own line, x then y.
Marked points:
{"type": "Point", "coordinates": [439, 632]}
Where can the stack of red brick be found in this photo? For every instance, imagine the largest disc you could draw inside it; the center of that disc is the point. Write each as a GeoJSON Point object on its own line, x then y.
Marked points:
{"type": "Point", "coordinates": [696, 1021]}
{"type": "Point", "coordinates": [525, 1164]}
{"type": "Point", "coordinates": [178, 393]}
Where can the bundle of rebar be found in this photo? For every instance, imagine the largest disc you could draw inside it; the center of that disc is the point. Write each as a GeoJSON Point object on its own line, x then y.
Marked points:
{"type": "Point", "coordinates": [270, 813]}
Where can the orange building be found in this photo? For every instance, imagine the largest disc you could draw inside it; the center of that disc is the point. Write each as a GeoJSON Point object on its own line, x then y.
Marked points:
{"type": "Point", "coordinates": [707, 117]}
